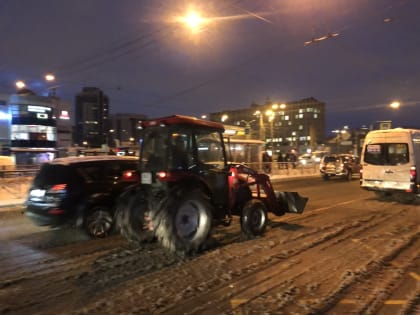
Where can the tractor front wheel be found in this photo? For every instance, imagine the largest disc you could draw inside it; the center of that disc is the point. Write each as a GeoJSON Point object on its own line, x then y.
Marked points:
{"type": "Point", "coordinates": [254, 218]}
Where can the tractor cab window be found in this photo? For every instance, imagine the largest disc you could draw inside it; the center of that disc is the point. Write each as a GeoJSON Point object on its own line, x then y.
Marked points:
{"type": "Point", "coordinates": [210, 151]}
{"type": "Point", "coordinates": [153, 146]}
{"type": "Point", "coordinates": [180, 157]}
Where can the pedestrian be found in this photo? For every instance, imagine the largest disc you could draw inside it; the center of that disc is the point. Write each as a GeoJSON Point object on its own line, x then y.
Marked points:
{"type": "Point", "coordinates": [280, 160]}
{"type": "Point", "coordinates": [293, 158]}
{"type": "Point", "coordinates": [266, 158]}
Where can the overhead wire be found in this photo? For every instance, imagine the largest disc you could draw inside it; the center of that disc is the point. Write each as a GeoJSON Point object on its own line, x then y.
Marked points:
{"type": "Point", "coordinates": [223, 75]}
{"type": "Point", "coordinates": [142, 42]}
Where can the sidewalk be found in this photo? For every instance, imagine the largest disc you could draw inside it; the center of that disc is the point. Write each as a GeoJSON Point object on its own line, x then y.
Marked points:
{"type": "Point", "coordinates": [13, 192]}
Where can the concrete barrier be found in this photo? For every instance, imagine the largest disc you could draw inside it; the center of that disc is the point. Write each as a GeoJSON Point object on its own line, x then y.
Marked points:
{"type": "Point", "coordinates": [13, 191]}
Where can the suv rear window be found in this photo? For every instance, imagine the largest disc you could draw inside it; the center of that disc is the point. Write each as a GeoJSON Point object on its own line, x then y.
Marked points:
{"type": "Point", "coordinates": [105, 170]}
{"type": "Point", "coordinates": [51, 174]}
{"type": "Point", "coordinates": [330, 159]}
{"type": "Point", "coordinates": [386, 153]}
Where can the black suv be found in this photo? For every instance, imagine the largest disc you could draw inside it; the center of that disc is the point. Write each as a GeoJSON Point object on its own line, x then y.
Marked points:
{"type": "Point", "coordinates": [80, 191]}
{"type": "Point", "coordinates": [339, 165]}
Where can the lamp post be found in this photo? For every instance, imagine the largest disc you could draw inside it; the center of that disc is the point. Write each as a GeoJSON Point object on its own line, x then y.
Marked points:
{"type": "Point", "coordinates": [248, 127]}
{"type": "Point", "coordinates": [270, 114]}
{"type": "Point", "coordinates": [341, 134]}
{"type": "Point", "coordinates": [259, 115]}
{"type": "Point", "coordinates": [108, 133]}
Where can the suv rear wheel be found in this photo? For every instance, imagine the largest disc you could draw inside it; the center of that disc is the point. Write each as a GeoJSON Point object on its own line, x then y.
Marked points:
{"type": "Point", "coordinates": [98, 223]}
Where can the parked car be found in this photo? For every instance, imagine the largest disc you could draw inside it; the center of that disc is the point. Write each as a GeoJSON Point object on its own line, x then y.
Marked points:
{"type": "Point", "coordinates": [80, 191]}
{"type": "Point", "coordinates": [339, 165]}
{"type": "Point", "coordinates": [311, 159]}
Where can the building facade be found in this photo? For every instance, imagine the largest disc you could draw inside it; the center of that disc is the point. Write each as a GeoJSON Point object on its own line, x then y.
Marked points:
{"type": "Point", "coordinates": [91, 118]}
{"type": "Point", "coordinates": [299, 124]}
{"type": "Point", "coordinates": [124, 130]}
{"type": "Point", "coordinates": [5, 122]}
{"type": "Point", "coordinates": [33, 127]}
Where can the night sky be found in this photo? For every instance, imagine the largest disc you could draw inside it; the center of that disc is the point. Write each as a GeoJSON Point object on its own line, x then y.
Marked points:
{"type": "Point", "coordinates": [248, 51]}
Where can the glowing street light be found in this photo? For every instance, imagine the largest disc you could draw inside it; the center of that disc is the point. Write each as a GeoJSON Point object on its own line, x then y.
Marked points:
{"type": "Point", "coordinates": [395, 105]}
{"type": "Point", "coordinates": [193, 20]}
{"type": "Point", "coordinates": [20, 84]}
{"type": "Point", "coordinates": [224, 118]}
{"type": "Point", "coordinates": [49, 77]}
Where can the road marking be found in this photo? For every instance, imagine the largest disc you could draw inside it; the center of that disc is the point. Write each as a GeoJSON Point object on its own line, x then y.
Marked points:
{"type": "Point", "coordinates": [395, 302]}
{"type": "Point", "coordinates": [356, 240]}
{"type": "Point", "coordinates": [293, 219]}
{"type": "Point", "coordinates": [335, 205]}
{"type": "Point", "coordinates": [237, 302]}
{"type": "Point", "coordinates": [305, 301]}
{"type": "Point", "coordinates": [415, 276]}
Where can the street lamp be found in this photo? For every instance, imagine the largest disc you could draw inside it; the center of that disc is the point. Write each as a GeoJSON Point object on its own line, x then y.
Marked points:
{"type": "Point", "coordinates": [193, 20]}
{"type": "Point", "coordinates": [49, 77]}
{"type": "Point", "coordinates": [395, 105]}
{"type": "Point", "coordinates": [270, 114]}
{"type": "Point", "coordinates": [341, 134]}
{"type": "Point", "coordinates": [262, 127]}
{"type": "Point", "coordinates": [110, 132]}
{"type": "Point", "coordinates": [20, 84]}
{"type": "Point", "coordinates": [248, 127]}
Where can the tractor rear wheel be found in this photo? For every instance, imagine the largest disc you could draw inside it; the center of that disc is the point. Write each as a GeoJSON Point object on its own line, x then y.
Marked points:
{"type": "Point", "coordinates": [183, 221]}
{"type": "Point", "coordinates": [131, 217]}
{"type": "Point", "coordinates": [254, 218]}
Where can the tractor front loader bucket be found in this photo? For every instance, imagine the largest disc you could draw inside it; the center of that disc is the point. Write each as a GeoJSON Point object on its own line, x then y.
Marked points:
{"type": "Point", "coordinates": [290, 201]}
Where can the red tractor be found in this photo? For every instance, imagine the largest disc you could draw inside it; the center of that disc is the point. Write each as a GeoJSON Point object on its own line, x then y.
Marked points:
{"type": "Point", "coordinates": [186, 187]}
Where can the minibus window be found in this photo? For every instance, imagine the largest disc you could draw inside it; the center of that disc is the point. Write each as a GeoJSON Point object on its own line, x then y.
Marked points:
{"type": "Point", "coordinates": [386, 154]}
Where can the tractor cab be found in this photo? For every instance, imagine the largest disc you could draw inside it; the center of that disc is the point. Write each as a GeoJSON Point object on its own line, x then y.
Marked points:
{"type": "Point", "coordinates": [181, 150]}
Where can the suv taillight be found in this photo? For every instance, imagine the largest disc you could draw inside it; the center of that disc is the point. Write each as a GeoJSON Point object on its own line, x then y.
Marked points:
{"type": "Point", "coordinates": [58, 188]}
{"type": "Point", "coordinates": [130, 176]}
{"type": "Point", "coordinates": [413, 174]}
